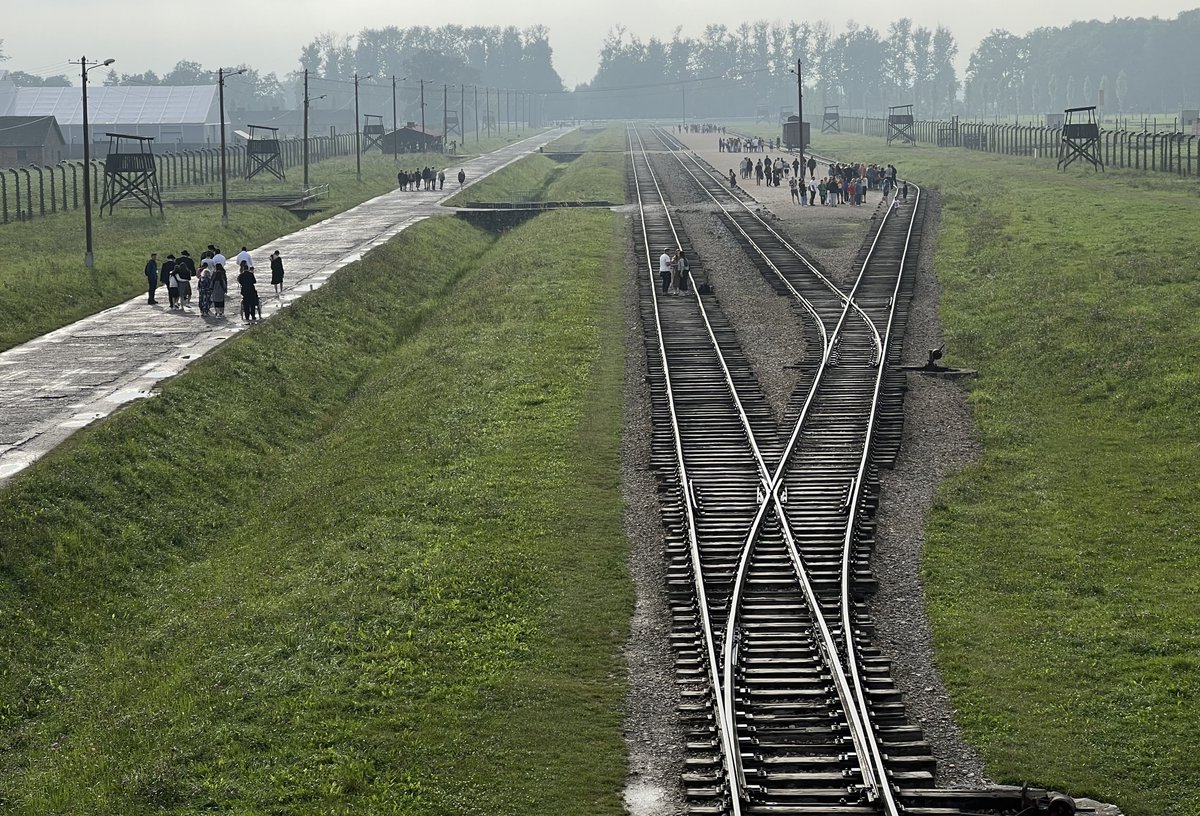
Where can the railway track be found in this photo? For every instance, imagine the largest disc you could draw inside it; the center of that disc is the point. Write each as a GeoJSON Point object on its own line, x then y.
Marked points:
{"type": "Point", "coordinates": [789, 709]}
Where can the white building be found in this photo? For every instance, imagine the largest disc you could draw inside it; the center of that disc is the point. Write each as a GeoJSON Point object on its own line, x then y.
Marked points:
{"type": "Point", "coordinates": [181, 115]}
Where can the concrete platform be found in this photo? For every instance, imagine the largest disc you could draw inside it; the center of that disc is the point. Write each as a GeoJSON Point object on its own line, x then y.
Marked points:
{"type": "Point", "coordinates": [65, 380]}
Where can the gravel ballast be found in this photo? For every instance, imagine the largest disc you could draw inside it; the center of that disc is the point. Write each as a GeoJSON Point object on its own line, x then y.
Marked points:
{"type": "Point", "coordinates": [939, 438]}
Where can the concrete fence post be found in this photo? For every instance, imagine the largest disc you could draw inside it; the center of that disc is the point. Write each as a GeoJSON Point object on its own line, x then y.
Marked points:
{"type": "Point", "coordinates": [62, 169]}
{"type": "Point", "coordinates": [41, 189]}
{"type": "Point", "coordinates": [53, 190]}
{"type": "Point", "coordinates": [74, 185]}
{"type": "Point", "coordinates": [28, 192]}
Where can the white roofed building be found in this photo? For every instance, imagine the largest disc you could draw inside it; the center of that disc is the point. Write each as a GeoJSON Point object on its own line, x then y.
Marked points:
{"type": "Point", "coordinates": [172, 115]}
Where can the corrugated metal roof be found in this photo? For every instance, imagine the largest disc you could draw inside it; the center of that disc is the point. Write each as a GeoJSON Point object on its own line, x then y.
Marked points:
{"type": "Point", "coordinates": [121, 104]}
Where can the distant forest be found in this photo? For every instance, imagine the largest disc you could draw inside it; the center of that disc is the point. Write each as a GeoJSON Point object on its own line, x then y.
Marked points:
{"type": "Point", "coordinates": [743, 70]}
{"type": "Point", "coordinates": [1127, 66]}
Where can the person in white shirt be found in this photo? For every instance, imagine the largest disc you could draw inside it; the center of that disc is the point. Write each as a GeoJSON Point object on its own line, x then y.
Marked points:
{"type": "Point", "coordinates": [243, 256]}
{"type": "Point", "coordinates": [664, 270]}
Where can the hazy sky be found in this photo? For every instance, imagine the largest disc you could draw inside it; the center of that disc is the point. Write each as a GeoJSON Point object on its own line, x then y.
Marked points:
{"type": "Point", "coordinates": [268, 34]}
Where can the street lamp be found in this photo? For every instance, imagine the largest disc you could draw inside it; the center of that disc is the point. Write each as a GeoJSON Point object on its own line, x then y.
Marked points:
{"type": "Point", "coordinates": [799, 108]}
{"type": "Point", "coordinates": [358, 129]}
{"type": "Point", "coordinates": [307, 99]}
{"type": "Point", "coordinates": [88, 259]}
{"type": "Point", "coordinates": [221, 101]}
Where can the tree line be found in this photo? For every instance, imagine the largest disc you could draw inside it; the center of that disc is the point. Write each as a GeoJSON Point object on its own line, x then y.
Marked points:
{"type": "Point", "coordinates": [745, 69]}
{"type": "Point", "coordinates": [1126, 65]}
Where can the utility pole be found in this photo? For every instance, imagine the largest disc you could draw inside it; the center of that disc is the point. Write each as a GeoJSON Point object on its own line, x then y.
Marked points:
{"type": "Point", "coordinates": [487, 101]}
{"type": "Point", "coordinates": [358, 131]}
{"type": "Point", "coordinates": [424, 141]}
{"type": "Point", "coordinates": [475, 107]}
{"type": "Point", "coordinates": [800, 108]}
{"type": "Point", "coordinates": [508, 108]}
{"type": "Point", "coordinates": [224, 182]}
{"type": "Point", "coordinates": [306, 130]}
{"type": "Point", "coordinates": [89, 259]}
{"type": "Point", "coordinates": [395, 138]}
{"type": "Point", "coordinates": [224, 187]}
{"type": "Point", "coordinates": [462, 112]}
{"type": "Point", "coordinates": [445, 116]}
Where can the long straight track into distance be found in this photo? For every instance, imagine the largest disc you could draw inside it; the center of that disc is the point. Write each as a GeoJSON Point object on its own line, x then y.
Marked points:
{"type": "Point", "coordinates": [789, 708]}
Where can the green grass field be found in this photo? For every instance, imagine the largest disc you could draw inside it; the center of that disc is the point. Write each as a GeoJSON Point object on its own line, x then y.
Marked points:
{"type": "Point", "coordinates": [594, 176]}
{"type": "Point", "coordinates": [366, 558]}
{"type": "Point", "coordinates": [43, 282]}
{"type": "Point", "coordinates": [1063, 570]}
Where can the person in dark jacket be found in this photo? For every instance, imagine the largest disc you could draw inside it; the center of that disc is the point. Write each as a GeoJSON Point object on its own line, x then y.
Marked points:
{"type": "Point", "coordinates": [152, 278]}
{"type": "Point", "coordinates": [170, 278]}
{"type": "Point", "coordinates": [185, 268]}
{"type": "Point", "coordinates": [220, 286]}
{"type": "Point", "coordinates": [277, 272]}
{"type": "Point", "coordinates": [251, 306]}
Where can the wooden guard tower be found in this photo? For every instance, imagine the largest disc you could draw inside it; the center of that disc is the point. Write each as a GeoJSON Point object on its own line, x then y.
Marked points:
{"type": "Point", "coordinates": [831, 122]}
{"type": "Point", "coordinates": [372, 131]}
{"type": "Point", "coordinates": [263, 153]}
{"type": "Point", "coordinates": [130, 174]}
{"type": "Point", "coordinates": [1080, 138]}
{"type": "Point", "coordinates": [762, 114]}
{"type": "Point", "coordinates": [452, 124]}
{"type": "Point", "coordinates": [900, 124]}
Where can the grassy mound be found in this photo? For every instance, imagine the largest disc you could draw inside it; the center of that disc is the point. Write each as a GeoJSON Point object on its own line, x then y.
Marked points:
{"type": "Point", "coordinates": [367, 558]}
{"type": "Point", "coordinates": [1063, 570]}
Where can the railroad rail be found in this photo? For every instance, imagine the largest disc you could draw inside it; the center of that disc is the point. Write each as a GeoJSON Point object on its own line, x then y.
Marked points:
{"type": "Point", "coordinates": [789, 708]}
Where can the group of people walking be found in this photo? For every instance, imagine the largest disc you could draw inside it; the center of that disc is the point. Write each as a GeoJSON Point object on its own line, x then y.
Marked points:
{"type": "Point", "coordinates": [845, 183]}
{"type": "Point", "coordinates": [212, 281]}
{"type": "Point", "coordinates": [674, 269]}
{"type": "Point", "coordinates": [426, 179]}
{"type": "Point", "coordinates": [744, 144]}
{"type": "Point", "coordinates": [774, 171]}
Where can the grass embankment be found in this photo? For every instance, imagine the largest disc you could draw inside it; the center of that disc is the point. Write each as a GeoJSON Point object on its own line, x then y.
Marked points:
{"type": "Point", "coordinates": [1063, 570]}
{"type": "Point", "coordinates": [44, 285]}
{"type": "Point", "coordinates": [366, 558]}
{"type": "Point", "coordinates": [591, 138]}
{"type": "Point", "coordinates": [469, 148]}
{"type": "Point", "coordinates": [594, 176]}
